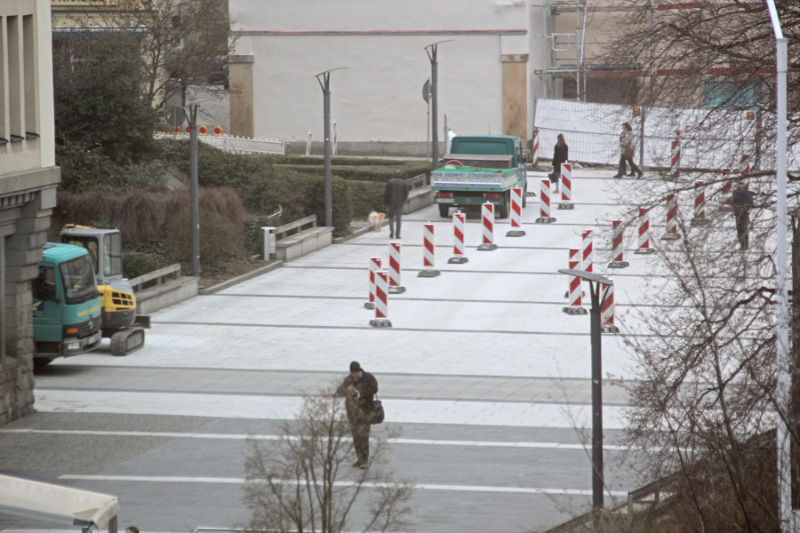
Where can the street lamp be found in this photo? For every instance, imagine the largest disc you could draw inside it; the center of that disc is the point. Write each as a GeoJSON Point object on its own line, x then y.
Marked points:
{"type": "Point", "coordinates": [595, 280]}
{"type": "Point", "coordinates": [432, 51]}
{"type": "Point", "coordinates": [324, 79]}
{"type": "Point", "coordinates": [192, 117]}
{"type": "Point", "coordinates": [783, 390]}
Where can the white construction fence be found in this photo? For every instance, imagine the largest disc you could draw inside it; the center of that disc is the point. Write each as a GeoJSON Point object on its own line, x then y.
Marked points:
{"type": "Point", "coordinates": [234, 145]}
{"type": "Point", "coordinates": [592, 133]}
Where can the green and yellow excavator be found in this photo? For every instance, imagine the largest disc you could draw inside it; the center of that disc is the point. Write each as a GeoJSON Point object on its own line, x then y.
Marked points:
{"type": "Point", "coordinates": [119, 319]}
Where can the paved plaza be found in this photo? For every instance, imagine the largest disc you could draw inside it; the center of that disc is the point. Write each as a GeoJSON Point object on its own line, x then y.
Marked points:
{"type": "Point", "coordinates": [483, 372]}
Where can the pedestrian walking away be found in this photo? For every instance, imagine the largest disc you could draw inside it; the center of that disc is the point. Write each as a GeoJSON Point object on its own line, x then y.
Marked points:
{"type": "Point", "coordinates": [359, 389]}
{"type": "Point", "coordinates": [394, 197]}
{"type": "Point", "coordinates": [627, 148]}
{"type": "Point", "coordinates": [742, 202]}
{"type": "Point", "coordinates": [560, 155]}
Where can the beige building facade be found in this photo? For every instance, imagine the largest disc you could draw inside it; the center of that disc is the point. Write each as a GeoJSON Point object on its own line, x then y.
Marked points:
{"type": "Point", "coordinates": [495, 58]}
{"type": "Point", "coordinates": [28, 181]}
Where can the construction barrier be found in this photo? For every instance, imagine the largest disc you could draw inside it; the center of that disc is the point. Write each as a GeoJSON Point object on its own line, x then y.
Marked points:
{"type": "Point", "coordinates": [699, 204]}
{"type": "Point", "coordinates": [607, 310]}
{"type": "Point", "coordinates": [675, 166]}
{"type": "Point", "coordinates": [487, 228]}
{"type": "Point", "coordinates": [335, 142]}
{"type": "Point", "coordinates": [544, 204]}
{"type": "Point", "coordinates": [574, 293]}
{"type": "Point", "coordinates": [535, 148]}
{"type": "Point", "coordinates": [394, 269]}
{"type": "Point", "coordinates": [381, 319]}
{"type": "Point", "coordinates": [566, 187]}
{"type": "Point", "coordinates": [727, 186]}
{"type": "Point", "coordinates": [459, 222]}
{"type": "Point", "coordinates": [618, 232]}
{"type": "Point", "coordinates": [516, 214]}
{"type": "Point", "coordinates": [374, 266]}
{"type": "Point", "coordinates": [672, 218]}
{"type": "Point", "coordinates": [644, 233]}
{"type": "Point", "coordinates": [586, 250]}
{"type": "Point", "coordinates": [745, 164]}
{"type": "Point", "coordinates": [428, 253]}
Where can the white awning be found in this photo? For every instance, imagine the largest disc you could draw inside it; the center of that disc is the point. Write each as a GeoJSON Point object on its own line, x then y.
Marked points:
{"type": "Point", "coordinates": [55, 502]}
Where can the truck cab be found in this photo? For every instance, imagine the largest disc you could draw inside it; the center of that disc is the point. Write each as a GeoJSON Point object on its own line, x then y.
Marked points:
{"type": "Point", "coordinates": [480, 169]}
{"type": "Point", "coordinates": [66, 304]}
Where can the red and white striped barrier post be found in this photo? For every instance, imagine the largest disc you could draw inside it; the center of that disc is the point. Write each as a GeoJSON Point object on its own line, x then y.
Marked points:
{"type": "Point", "coordinates": [575, 292]}
{"type": "Point", "coordinates": [334, 149]}
{"type": "Point", "coordinates": [727, 186]}
{"type": "Point", "coordinates": [374, 266]}
{"type": "Point", "coordinates": [566, 187]}
{"type": "Point", "coordinates": [487, 228]}
{"type": "Point", "coordinates": [644, 233]}
{"type": "Point", "coordinates": [459, 223]}
{"type": "Point", "coordinates": [745, 164]}
{"type": "Point", "coordinates": [699, 204]}
{"type": "Point", "coordinates": [381, 319]}
{"type": "Point", "coordinates": [394, 269]}
{"type": "Point", "coordinates": [544, 204]}
{"type": "Point", "coordinates": [618, 232]}
{"type": "Point", "coordinates": [675, 165]}
{"type": "Point", "coordinates": [516, 214]}
{"type": "Point", "coordinates": [428, 252]}
{"type": "Point", "coordinates": [607, 310]}
{"type": "Point", "coordinates": [586, 251]}
{"type": "Point", "coordinates": [535, 148]}
{"type": "Point", "coordinates": [672, 218]}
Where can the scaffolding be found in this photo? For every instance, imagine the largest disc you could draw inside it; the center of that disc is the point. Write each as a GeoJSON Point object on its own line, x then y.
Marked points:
{"type": "Point", "coordinates": [566, 41]}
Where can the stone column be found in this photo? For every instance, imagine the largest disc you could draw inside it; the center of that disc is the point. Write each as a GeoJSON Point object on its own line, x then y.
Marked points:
{"type": "Point", "coordinates": [240, 77]}
{"type": "Point", "coordinates": [515, 95]}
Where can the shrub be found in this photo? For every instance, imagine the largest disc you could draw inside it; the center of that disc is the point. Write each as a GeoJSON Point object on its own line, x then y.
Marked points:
{"type": "Point", "coordinates": [220, 239]}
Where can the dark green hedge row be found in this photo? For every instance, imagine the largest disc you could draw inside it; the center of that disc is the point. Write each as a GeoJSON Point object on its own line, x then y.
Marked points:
{"type": "Point", "coordinates": [267, 183]}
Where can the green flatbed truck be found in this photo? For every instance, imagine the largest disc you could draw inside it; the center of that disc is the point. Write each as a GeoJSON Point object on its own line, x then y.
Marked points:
{"type": "Point", "coordinates": [66, 304]}
{"type": "Point", "coordinates": [480, 169]}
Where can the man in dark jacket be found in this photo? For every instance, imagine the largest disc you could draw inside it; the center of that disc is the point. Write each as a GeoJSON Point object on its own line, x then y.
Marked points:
{"type": "Point", "coordinates": [394, 197]}
{"type": "Point", "coordinates": [359, 389]}
{"type": "Point", "coordinates": [742, 202]}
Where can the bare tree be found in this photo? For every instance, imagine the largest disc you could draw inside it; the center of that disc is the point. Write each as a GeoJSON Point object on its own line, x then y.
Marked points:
{"type": "Point", "coordinates": [305, 483]}
{"type": "Point", "coordinates": [181, 41]}
{"type": "Point", "coordinates": [704, 411]}
{"type": "Point", "coordinates": [716, 56]}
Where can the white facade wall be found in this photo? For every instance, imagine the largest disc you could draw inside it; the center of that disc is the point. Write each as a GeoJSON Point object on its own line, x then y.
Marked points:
{"type": "Point", "coordinates": [382, 44]}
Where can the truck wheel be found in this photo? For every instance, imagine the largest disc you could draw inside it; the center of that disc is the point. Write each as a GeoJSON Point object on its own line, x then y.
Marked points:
{"type": "Point", "coordinates": [502, 210]}
{"type": "Point", "coordinates": [39, 362]}
{"type": "Point", "coordinates": [444, 209]}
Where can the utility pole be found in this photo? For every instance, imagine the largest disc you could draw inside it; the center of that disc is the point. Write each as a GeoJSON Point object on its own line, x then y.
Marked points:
{"type": "Point", "coordinates": [324, 79]}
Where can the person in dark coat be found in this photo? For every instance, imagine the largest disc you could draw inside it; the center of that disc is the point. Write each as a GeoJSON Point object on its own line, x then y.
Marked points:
{"type": "Point", "coordinates": [359, 389]}
{"type": "Point", "coordinates": [560, 155]}
{"type": "Point", "coordinates": [394, 197]}
{"type": "Point", "coordinates": [627, 147]}
{"type": "Point", "coordinates": [742, 202]}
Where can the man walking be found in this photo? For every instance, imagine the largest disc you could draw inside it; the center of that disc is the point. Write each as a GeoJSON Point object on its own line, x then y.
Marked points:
{"type": "Point", "coordinates": [394, 197]}
{"type": "Point", "coordinates": [359, 389]}
{"type": "Point", "coordinates": [742, 202]}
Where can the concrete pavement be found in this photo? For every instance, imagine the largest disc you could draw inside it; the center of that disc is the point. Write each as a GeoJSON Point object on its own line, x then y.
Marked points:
{"type": "Point", "coordinates": [487, 376]}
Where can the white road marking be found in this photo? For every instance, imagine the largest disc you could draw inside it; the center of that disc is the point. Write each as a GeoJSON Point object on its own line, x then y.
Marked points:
{"type": "Point", "coordinates": [420, 486]}
{"type": "Point", "coordinates": [243, 436]}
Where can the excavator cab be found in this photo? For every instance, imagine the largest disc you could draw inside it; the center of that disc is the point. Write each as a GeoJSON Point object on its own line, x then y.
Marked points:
{"type": "Point", "coordinates": [119, 319]}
